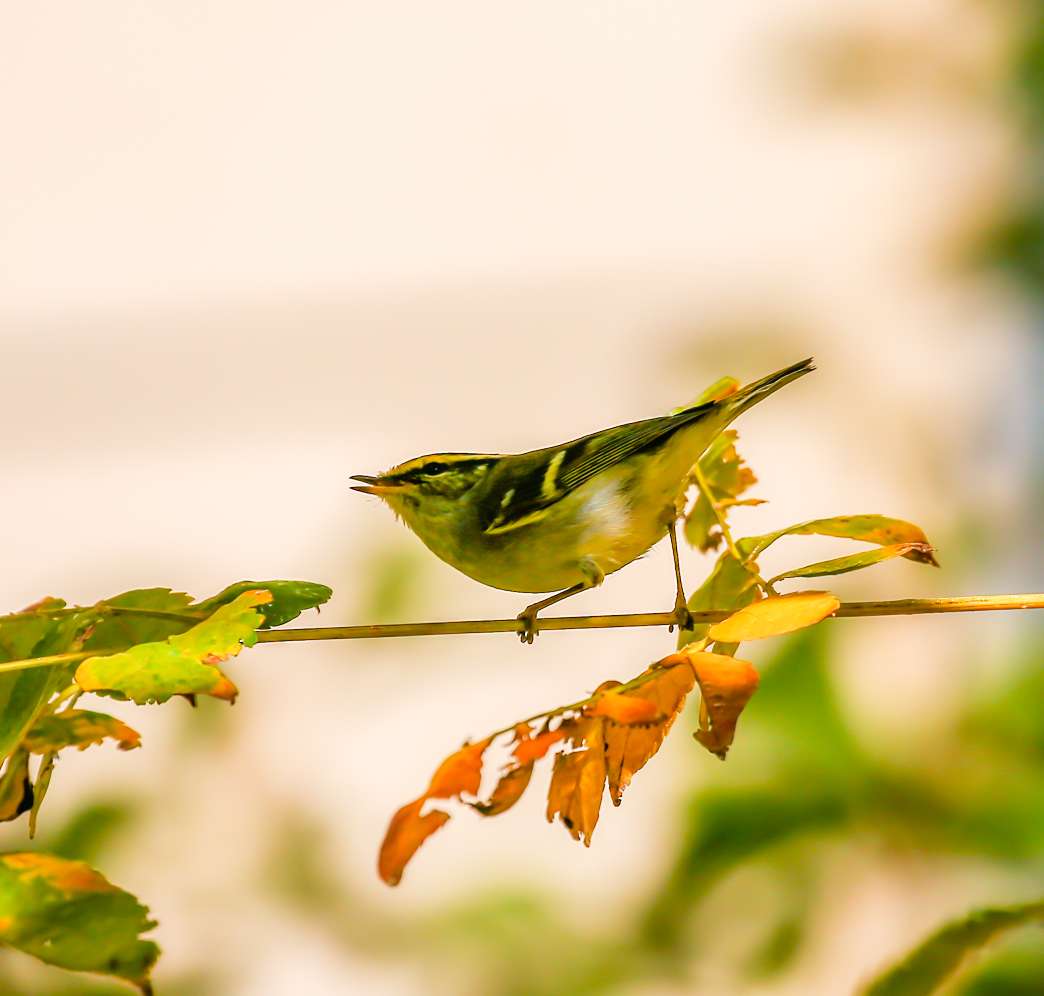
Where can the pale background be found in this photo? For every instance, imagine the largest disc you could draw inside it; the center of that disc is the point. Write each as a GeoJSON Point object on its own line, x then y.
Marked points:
{"type": "Point", "coordinates": [248, 249]}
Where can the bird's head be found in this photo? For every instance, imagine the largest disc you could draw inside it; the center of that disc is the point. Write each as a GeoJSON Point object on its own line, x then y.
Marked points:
{"type": "Point", "coordinates": [428, 487]}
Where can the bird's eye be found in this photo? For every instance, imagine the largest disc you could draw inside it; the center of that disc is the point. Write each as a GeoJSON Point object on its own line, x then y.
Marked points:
{"type": "Point", "coordinates": [435, 468]}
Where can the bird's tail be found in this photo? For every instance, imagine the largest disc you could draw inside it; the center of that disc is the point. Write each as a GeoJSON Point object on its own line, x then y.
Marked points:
{"type": "Point", "coordinates": [747, 397]}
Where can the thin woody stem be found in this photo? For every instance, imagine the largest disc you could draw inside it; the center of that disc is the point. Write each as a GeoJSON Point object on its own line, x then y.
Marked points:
{"type": "Point", "coordinates": [847, 610]}
{"type": "Point", "coordinates": [723, 525]}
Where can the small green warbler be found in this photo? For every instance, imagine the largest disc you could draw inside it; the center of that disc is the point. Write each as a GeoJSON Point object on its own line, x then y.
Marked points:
{"type": "Point", "coordinates": [561, 518]}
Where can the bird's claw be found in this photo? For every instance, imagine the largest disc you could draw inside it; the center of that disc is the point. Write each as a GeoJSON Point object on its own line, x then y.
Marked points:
{"type": "Point", "coordinates": [527, 626]}
{"type": "Point", "coordinates": [682, 617]}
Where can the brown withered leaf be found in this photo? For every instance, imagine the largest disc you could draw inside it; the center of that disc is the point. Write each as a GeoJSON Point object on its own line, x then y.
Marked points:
{"type": "Point", "coordinates": [513, 783]}
{"type": "Point", "coordinates": [406, 832]}
{"type": "Point", "coordinates": [726, 685]}
{"type": "Point", "coordinates": [775, 616]}
{"type": "Point", "coordinates": [460, 772]}
{"type": "Point", "coordinates": [624, 709]}
{"type": "Point", "coordinates": [628, 748]}
{"type": "Point", "coordinates": [16, 787]}
{"type": "Point", "coordinates": [578, 781]}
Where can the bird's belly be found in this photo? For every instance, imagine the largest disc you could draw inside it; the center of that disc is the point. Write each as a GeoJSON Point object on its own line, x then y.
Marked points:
{"type": "Point", "coordinates": [596, 525]}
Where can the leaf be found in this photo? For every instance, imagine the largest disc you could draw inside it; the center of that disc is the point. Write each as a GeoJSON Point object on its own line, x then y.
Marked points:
{"type": "Point", "coordinates": [181, 665]}
{"type": "Point", "coordinates": [721, 389]}
{"type": "Point", "coordinates": [43, 782]}
{"type": "Point", "coordinates": [16, 788]}
{"type": "Point", "coordinates": [67, 914]}
{"type": "Point", "coordinates": [880, 529]}
{"type": "Point", "coordinates": [513, 783]}
{"type": "Point", "coordinates": [629, 748]}
{"type": "Point", "coordinates": [289, 599]}
{"type": "Point", "coordinates": [853, 562]}
{"type": "Point", "coordinates": [933, 961]}
{"type": "Point", "coordinates": [24, 693]}
{"type": "Point", "coordinates": [729, 586]}
{"type": "Point", "coordinates": [726, 685]}
{"type": "Point", "coordinates": [114, 631]}
{"type": "Point", "coordinates": [459, 773]}
{"type": "Point", "coordinates": [406, 832]}
{"type": "Point", "coordinates": [727, 477]}
{"type": "Point", "coordinates": [78, 728]}
{"type": "Point", "coordinates": [624, 709]}
{"type": "Point", "coordinates": [775, 616]}
{"type": "Point", "coordinates": [533, 749]}
{"type": "Point", "coordinates": [578, 781]}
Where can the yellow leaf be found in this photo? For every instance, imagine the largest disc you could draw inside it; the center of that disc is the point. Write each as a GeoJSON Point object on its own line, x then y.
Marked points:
{"type": "Point", "coordinates": [726, 685]}
{"type": "Point", "coordinates": [578, 781]}
{"type": "Point", "coordinates": [628, 748]}
{"type": "Point", "coordinates": [406, 832]}
{"type": "Point", "coordinates": [775, 616]}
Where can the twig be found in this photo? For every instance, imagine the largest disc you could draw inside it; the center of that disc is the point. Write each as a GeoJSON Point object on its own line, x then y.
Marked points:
{"type": "Point", "coordinates": [719, 514]}
{"type": "Point", "coordinates": [847, 610]}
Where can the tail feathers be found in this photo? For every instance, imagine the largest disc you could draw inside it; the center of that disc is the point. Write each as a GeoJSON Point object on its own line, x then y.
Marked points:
{"type": "Point", "coordinates": [747, 397]}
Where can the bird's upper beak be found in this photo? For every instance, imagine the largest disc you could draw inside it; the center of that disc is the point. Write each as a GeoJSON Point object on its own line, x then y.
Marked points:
{"type": "Point", "coordinates": [374, 486]}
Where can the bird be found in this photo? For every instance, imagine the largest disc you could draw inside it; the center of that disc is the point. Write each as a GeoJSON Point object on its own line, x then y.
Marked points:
{"type": "Point", "coordinates": [560, 518]}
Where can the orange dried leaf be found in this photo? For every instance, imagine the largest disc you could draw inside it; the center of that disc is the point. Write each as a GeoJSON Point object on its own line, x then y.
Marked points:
{"type": "Point", "coordinates": [406, 832]}
{"type": "Point", "coordinates": [628, 748]}
{"type": "Point", "coordinates": [626, 710]}
{"type": "Point", "coordinates": [578, 781]}
{"type": "Point", "coordinates": [774, 616]}
{"type": "Point", "coordinates": [726, 685]}
{"type": "Point", "coordinates": [534, 748]}
{"type": "Point", "coordinates": [460, 772]}
{"type": "Point", "coordinates": [508, 791]}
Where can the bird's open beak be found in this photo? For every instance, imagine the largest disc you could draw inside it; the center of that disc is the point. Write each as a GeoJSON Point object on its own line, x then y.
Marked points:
{"type": "Point", "coordinates": [373, 486]}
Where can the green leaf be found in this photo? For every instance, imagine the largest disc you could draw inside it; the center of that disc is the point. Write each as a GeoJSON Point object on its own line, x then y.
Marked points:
{"type": "Point", "coordinates": [853, 562]}
{"type": "Point", "coordinates": [183, 664]}
{"type": "Point", "coordinates": [718, 391]}
{"type": "Point", "coordinates": [289, 599]}
{"type": "Point", "coordinates": [879, 529]}
{"type": "Point", "coordinates": [24, 693]}
{"type": "Point", "coordinates": [67, 914]}
{"type": "Point", "coordinates": [933, 961]}
{"type": "Point", "coordinates": [78, 728]}
{"type": "Point", "coordinates": [729, 586]}
{"type": "Point", "coordinates": [120, 631]}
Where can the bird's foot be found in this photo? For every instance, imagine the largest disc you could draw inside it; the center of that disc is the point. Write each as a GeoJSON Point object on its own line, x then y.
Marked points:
{"type": "Point", "coordinates": [527, 629]}
{"type": "Point", "coordinates": [682, 616]}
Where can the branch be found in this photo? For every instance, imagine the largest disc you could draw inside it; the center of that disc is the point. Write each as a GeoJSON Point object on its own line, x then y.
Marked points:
{"type": "Point", "coordinates": [847, 610]}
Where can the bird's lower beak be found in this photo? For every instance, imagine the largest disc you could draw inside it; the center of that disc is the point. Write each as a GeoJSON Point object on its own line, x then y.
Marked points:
{"type": "Point", "coordinates": [373, 486]}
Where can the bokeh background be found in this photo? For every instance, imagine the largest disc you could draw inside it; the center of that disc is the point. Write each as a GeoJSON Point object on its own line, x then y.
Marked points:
{"type": "Point", "coordinates": [248, 249]}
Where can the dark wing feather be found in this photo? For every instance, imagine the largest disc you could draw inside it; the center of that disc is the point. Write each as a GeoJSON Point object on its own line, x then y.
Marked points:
{"type": "Point", "coordinates": [534, 481]}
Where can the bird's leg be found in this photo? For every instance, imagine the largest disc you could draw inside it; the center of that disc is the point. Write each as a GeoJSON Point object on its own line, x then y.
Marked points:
{"type": "Point", "coordinates": [682, 616]}
{"type": "Point", "coordinates": [593, 576]}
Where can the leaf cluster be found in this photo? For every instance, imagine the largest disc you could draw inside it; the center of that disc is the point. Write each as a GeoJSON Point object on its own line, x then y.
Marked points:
{"type": "Point", "coordinates": [146, 646]}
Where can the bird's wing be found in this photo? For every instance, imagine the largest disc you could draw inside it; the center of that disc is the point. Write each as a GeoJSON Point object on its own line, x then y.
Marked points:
{"type": "Point", "coordinates": [531, 483]}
